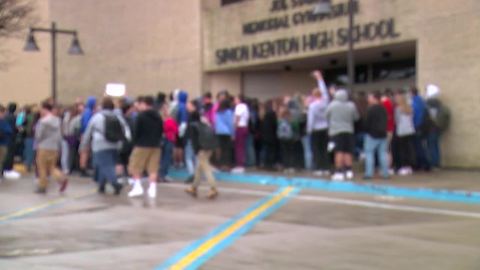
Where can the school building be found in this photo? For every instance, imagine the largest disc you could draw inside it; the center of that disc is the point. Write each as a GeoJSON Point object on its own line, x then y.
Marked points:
{"type": "Point", "coordinates": [262, 48]}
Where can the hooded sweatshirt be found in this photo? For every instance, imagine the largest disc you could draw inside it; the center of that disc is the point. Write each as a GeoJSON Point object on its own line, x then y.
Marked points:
{"type": "Point", "coordinates": [182, 113]}
{"type": "Point", "coordinates": [148, 129]}
{"type": "Point", "coordinates": [95, 133]}
{"type": "Point", "coordinates": [419, 109]}
{"type": "Point", "coordinates": [87, 113]}
{"type": "Point", "coordinates": [317, 118]}
{"type": "Point", "coordinates": [48, 134]}
{"type": "Point", "coordinates": [341, 114]}
{"type": "Point", "coordinates": [5, 132]}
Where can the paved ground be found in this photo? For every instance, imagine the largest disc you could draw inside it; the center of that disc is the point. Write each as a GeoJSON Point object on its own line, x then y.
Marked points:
{"type": "Point", "coordinates": [313, 230]}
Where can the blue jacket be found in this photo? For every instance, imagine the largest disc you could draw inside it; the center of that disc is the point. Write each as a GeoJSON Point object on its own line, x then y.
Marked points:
{"type": "Point", "coordinates": [87, 113]}
{"type": "Point", "coordinates": [224, 122]}
{"type": "Point", "coordinates": [419, 109]}
{"type": "Point", "coordinates": [5, 132]}
{"type": "Point", "coordinates": [182, 114]}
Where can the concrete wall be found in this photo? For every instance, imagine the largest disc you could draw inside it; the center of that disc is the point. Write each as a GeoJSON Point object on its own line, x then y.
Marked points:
{"type": "Point", "coordinates": [150, 46]}
{"type": "Point", "coordinates": [24, 76]}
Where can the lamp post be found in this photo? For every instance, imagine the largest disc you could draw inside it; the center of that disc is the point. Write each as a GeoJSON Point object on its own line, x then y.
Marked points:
{"type": "Point", "coordinates": [75, 49]}
{"type": "Point", "coordinates": [324, 7]}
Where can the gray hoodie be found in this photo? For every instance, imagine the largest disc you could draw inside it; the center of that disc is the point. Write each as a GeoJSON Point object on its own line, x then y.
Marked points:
{"type": "Point", "coordinates": [48, 134]}
{"type": "Point", "coordinates": [341, 114]}
{"type": "Point", "coordinates": [95, 131]}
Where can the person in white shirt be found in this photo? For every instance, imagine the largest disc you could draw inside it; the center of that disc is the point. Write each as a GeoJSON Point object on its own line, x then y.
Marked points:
{"type": "Point", "coordinates": [242, 116]}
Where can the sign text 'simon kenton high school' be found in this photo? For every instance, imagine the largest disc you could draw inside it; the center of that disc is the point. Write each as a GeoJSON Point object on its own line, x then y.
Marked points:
{"type": "Point", "coordinates": [316, 41]}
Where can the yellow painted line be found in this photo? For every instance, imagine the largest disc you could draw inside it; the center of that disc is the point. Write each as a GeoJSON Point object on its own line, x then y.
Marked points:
{"type": "Point", "coordinates": [205, 247]}
{"type": "Point", "coordinates": [33, 209]}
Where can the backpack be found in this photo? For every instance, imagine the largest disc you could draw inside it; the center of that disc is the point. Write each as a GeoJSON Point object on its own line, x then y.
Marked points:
{"type": "Point", "coordinates": [206, 137]}
{"type": "Point", "coordinates": [113, 129]}
{"type": "Point", "coordinates": [440, 117]}
{"type": "Point", "coordinates": [284, 130]}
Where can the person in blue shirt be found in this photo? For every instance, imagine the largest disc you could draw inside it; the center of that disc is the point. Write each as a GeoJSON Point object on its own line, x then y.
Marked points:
{"type": "Point", "coordinates": [224, 130]}
{"type": "Point", "coordinates": [5, 136]}
{"type": "Point", "coordinates": [421, 121]}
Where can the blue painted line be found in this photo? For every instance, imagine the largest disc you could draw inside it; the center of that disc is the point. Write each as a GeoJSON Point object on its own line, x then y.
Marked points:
{"type": "Point", "coordinates": [457, 196]}
{"type": "Point", "coordinates": [194, 245]}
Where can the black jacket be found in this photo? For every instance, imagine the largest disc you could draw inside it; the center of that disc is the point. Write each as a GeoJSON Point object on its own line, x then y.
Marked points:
{"type": "Point", "coordinates": [376, 122]}
{"type": "Point", "coordinates": [269, 127]}
{"type": "Point", "coordinates": [148, 129]}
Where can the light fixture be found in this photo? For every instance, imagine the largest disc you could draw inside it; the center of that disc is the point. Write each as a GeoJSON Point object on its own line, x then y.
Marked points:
{"type": "Point", "coordinates": [31, 45]}
{"type": "Point", "coordinates": [75, 48]}
{"type": "Point", "coordinates": [115, 89]}
{"type": "Point", "coordinates": [323, 7]}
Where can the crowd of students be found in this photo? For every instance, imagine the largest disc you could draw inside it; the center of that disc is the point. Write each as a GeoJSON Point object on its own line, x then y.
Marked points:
{"type": "Point", "coordinates": [323, 132]}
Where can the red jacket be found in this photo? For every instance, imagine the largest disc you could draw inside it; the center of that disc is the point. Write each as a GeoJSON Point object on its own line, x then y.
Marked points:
{"type": "Point", "coordinates": [170, 129]}
{"type": "Point", "coordinates": [388, 105]}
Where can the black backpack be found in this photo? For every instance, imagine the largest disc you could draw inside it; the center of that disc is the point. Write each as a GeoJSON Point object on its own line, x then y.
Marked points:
{"type": "Point", "coordinates": [206, 137]}
{"type": "Point", "coordinates": [113, 129]}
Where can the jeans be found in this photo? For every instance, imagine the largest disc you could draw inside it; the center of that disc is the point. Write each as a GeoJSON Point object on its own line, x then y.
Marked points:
{"type": "Point", "coordinates": [321, 159]}
{"type": "Point", "coordinates": [241, 134]}
{"type": "Point", "coordinates": [307, 152]}
{"type": "Point", "coordinates": [250, 150]}
{"type": "Point", "coordinates": [421, 152]}
{"type": "Point", "coordinates": [166, 159]}
{"type": "Point", "coordinates": [28, 153]}
{"type": "Point", "coordinates": [380, 146]}
{"type": "Point", "coordinates": [104, 165]}
{"type": "Point", "coordinates": [190, 158]}
{"type": "Point", "coordinates": [225, 145]}
{"type": "Point", "coordinates": [433, 142]}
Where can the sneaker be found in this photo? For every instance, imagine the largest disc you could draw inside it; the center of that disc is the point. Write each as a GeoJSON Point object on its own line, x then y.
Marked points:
{"type": "Point", "coordinates": [338, 177]}
{"type": "Point", "coordinates": [349, 175]}
{"type": "Point", "coordinates": [168, 179]}
{"type": "Point", "coordinates": [403, 171]}
{"type": "Point", "coordinates": [101, 189]}
{"type": "Point", "coordinates": [11, 175]}
{"type": "Point", "coordinates": [137, 190]}
{"type": "Point", "coordinates": [41, 190]}
{"type": "Point", "coordinates": [238, 170]}
{"type": "Point", "coordinates": [189, 180]}
{"type": "Point", "coordinates": [117, 188]}
{"type": "Point", "coordinates": [191, 191]}
{"type": "Point", "coordinates": [152, 190]}
{"type": "Point", "coordinates": [63, 185]}
{"type": "Point", "coordinates": [367, 178]}
{"type": "Point", "coordinates": [318, 173]}
{"type": "Point", "coordinates": [213, 194]}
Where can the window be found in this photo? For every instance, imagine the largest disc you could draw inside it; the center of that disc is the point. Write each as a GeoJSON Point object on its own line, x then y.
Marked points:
{"type": "Point", "coordinates": [228, 2]}
{"type": "Point", "coordinates": [394, 70]}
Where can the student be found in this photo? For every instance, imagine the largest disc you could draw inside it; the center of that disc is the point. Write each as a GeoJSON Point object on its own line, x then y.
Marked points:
{"type": "Point", "coordinates": [242, 116]}
{"type": "Point", "coordinates": [48, 138]}
{"type": "Point", "coordinates": [170, 134]}
{"type": "Point", "coordinates": [146, 152]}
{"type": "Point", "coordinates": [317, 126]}
{"type": "Point", "coordinates": [341, 115]}
{"type": "Point", "coordinates": [104, 134]}
{"type": "Point", "coordinates": [5, 136]}
{"type": "Point", "coordinates": [440, 115]}
{"type": "Point", "coordinates": [422, 122]}
{"type": "Point", "coordinates": [225, 133]}
{"type": "Point", "coordinates": [11, 119]}
{"type": "Point", "coordinates": [203, 140]}
{"type": "Point", "coordinates": [269, 136]}
{"type": "Point", "coordinates": [87, 114]}
{"type": "Point", "coordinates": [285, 134]}
{"type": "Point", "coordinates": [405, 132]}
{"type": "Point", "coordinates": [376, 136]}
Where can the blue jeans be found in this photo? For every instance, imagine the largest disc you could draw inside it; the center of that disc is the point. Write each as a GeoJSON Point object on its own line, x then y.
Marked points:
{"type": "Point", "coordinates": [190, 158]}
{"type": "Point", "coordinates": [28, 153]}
{"type": "Point", "coordinates": [166, 159]}
{"type": "Point", "coordinates": [421, 152]}
{"type": "Point", "coordinates": [433, 142]}
{"type": "Point", "coordinates": [307, 152]}
{"type": "Point", "coordinates": [104, 165]}
{"type": "Point", "coordinates": [372, 145]}
{"type": "Point", "coordinates": [250, 151]}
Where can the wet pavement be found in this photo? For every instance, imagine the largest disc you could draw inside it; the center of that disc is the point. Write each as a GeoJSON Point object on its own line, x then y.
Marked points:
{"type": "Point", "coordinates": [314, 229]}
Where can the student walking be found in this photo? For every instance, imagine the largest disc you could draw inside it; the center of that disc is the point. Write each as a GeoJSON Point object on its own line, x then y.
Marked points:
{"type": "Point", "coordinates": [170, 132]}
{"type": "Point", "coordinates": [48, 138]}
{"type": "Point", "coordinates": [204, 143]}
{"type": "Point", "coordinates": [376, 136]}
{"type": "Point", "coordinates": [104, 134]}
{"type": "Point", "coordinates": [146, 152]}
{"type": "Point", "coordinates": [341, 115]}
{"type": "Point", "coordinates": [5, 136]}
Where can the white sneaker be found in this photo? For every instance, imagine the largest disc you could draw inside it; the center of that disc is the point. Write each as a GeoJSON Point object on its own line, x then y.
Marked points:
{"type": "Point", "coordinates": [403, 171]}
{"type": "Point", "coordinates": [338, 177]}
{"type": "Point", "coordinates": [318, 173]}
{"type": "Point", "coordinates": [137, 190]}
{"type": "Point", "coordinates": [238, 170]}
{"type": "Point", "coordinates": [12, 175]}
{"type": "Point", "coordinates": [326, 173]}
{"type": "Point", "coordinates": [349, 175]}
{"type": "Point", "coordinates": [152, 190]}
